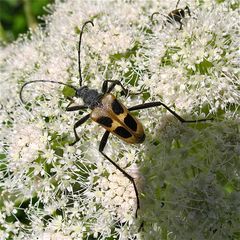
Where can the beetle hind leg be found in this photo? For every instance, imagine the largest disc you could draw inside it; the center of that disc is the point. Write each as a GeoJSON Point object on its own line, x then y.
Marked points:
{"type": "Point", "coordinates": [131, 179]}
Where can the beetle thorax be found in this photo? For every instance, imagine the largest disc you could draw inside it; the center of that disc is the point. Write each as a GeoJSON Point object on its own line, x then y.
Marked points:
{"type": "Point", "coordinates": [90, 97]}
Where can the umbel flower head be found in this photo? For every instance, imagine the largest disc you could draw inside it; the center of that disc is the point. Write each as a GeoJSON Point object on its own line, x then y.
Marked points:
{"type": "Point", "coordinates": [187, 174]}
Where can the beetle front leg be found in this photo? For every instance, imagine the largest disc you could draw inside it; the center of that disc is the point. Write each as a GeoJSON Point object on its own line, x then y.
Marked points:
{"type": "Point", "coordinates": [125, 91]}
{"type": "Point", "coordinates": [188, 11]}
{"type": "Point", "coordinates": [74, 108]}
{"type": "Point", "coordinates": [106, 89]}
{"type": "Point", "coordinates": [76, 125]}
{"type": "Point", "coordinates": [151, 18]}
{"type": "Point", "coordinates": [177, 4]}
{"type": "Point", "coordinates": [131, 179]}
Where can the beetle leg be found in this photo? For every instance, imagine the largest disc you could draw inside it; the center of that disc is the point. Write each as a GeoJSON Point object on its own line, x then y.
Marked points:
{"type": "Point", "coordinates": [131, 179]}
{"type": "Point", "coordinates": [180, 28]}
{"type": "Point", "coordinates": [76, 125]}
{"type": "Point", "coordinates": [156, 104]}
{"type": "Point", "coordinates": [164, 24]}
{"type": "Point", "coordinates": [151, 18]}
{"type": "Point", "coordinates": [74, 108]}
{"type": "Point", "coordinates": [188, 11]}
{"type": "Point", "coordinates": [125, 91]}
{"type": "Point", "coordinates": [106, 89]}
{"type": "Point", "coordinates": [177, 3]}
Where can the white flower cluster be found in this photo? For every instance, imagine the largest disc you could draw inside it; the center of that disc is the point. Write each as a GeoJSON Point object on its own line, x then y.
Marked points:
{"type": "Point", "coordinates": [187, 174]}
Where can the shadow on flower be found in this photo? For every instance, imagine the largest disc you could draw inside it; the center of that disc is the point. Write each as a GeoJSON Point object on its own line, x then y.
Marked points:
{"type": "Point", "coordinates": [191, 188]}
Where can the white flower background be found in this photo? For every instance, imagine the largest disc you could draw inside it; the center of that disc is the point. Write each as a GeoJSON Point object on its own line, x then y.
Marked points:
{"type": "Point", "coordinates": [187, 174]}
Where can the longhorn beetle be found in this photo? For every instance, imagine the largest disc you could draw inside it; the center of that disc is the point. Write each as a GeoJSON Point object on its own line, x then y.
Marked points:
{"type": "Point", "coordinates": [108, 112]}
{"type": "Point", "coordinates": [176, 15]}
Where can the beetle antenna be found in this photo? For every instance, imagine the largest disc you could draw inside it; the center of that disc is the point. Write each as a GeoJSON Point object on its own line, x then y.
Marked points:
{"type": "Point", "coordinates": [36, 81]}
{"type": "Point", "coordinates": [177, 3]}
{"type": "Point", "coordinates": [155, 13]}
{"type": "Point", "coordinates": [79, 48]}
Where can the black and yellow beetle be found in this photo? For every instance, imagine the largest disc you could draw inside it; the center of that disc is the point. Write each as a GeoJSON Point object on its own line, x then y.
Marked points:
{"type": "Point", "coordinates": [110, 113]}
{"type": "Point", "coordinates": [176, 15]}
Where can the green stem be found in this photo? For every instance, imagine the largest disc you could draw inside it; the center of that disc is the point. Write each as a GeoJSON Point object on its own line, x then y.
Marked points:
{"type": "Point", "coordinates": [3, 36]}
{"type": "Point", "coordinates": [30, 18]}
